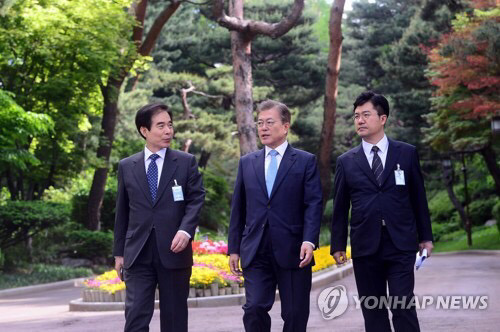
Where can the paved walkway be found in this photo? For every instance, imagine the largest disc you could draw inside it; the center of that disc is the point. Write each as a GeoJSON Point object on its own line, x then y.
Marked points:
{"type": "Point", "coordinates": [446, 274]}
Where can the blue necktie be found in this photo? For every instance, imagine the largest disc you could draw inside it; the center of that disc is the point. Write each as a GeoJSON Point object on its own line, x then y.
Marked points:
{"type": "Point", "coordinates": [271, 172]}
{"type": "Point", "coordinates": [152, 175]}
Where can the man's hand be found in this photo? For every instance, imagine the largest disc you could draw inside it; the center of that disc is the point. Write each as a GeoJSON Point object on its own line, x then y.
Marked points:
{"type": "Point", "coordinates": [340, 257]}
{"type": "Point", "coordinates": [234, 264]}
{"type": "Point", "coordinates": [119, 266]}
{"type": "Point", "coordinates": [306, 254]}
{"type": "Point", "coordinates": [426, 245]}
{"type": "Point", "coordinates": [179, 243]}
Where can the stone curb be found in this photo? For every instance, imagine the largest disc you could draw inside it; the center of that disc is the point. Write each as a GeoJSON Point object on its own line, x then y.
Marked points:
{"type": "Point", "coordinates": [320, 279]}
{"type": "Point", "coordinates": [78, 282]}
{"type": "Point", "coordinates": [468, 252]}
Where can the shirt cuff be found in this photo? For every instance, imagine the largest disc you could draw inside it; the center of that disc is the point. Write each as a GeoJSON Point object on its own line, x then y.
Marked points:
{"type": "Point", "coordinates": [187, 234]}
{"type": "Point", "coordinates": [314, 247]}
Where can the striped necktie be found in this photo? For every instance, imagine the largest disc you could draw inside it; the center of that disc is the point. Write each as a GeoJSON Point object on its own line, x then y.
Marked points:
{"type": "Point", "coordinates": [377, 167]}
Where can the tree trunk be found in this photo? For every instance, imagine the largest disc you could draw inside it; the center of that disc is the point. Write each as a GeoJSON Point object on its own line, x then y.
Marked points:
{"type": "Point", "coordinates": [109, 117]}
{"type": "Point", "coordinates": [491, 162]}
{"type": "Point", "coordinates": [11, 184]}
{"type": "Point", "coordinates": [110, 111]}
{"type": "Point", "coordinates": [187, 145]}
{"type": "Point", "coordinates": [448, 180]}
{"type": "Point", "coordinates": [330, 102]}
{"type": "Point", "coordinates": [242, 33]}
{"type": "Point", "coordinates": [241, 48]}
{"type": "Point", "coordinates": [205, 156]}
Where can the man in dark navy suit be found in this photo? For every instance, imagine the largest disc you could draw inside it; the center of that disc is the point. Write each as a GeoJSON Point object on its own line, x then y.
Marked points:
{"type": "Point", "coordinates": [382, 182]}
{"type": "Point", "coordinates": [159, 198]}
{"type": "Point", "coordinates": [275, 222]}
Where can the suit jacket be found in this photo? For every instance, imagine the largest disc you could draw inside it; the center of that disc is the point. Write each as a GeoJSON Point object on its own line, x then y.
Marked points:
{"type": "Point", "coordinates": [136, 214]}
{"type": "Point", "coordinates": [403, 208]}
{"type": "Point", "coordinates": [293, 210]}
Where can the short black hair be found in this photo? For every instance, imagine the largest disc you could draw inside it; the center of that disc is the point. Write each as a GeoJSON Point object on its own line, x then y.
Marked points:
{"type": "Point", "coordinates": [269, 104]}
{"type": "Point", "coordinates": [379, 102]}
{"type": "Point", "coordinates": [145, 114]}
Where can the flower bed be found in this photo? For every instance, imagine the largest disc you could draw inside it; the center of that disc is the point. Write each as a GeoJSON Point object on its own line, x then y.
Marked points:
{"type": "Point", "coordinates": [210, 276]}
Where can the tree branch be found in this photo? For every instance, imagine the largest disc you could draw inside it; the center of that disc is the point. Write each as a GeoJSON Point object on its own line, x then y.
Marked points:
{"type": "Point", "coordinates": [139, 11]}
{"type": "Point", "coordinates": [154, 32]}
{"type": "Point", "coordinates": [273, 30]}
{"type": "Point", "coordinates": [207, 95]}
{"type": "Point", "coordinates": [187, 110]}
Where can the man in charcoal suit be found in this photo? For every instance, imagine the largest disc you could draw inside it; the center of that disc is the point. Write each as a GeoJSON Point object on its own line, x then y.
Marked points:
{"type": "Point", "coordinates": [275, 221]}
{"type": "Point", "coordinates": [160, 194]}
{"type": "Point", "coordinates": [382, 182]}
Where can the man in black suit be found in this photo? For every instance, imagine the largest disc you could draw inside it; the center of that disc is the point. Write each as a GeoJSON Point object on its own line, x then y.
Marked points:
{"type": "Point", "coordinates": [159, 198]}
{"type": "Point", "coordinates": [275, 221]}
{"type": "Point", "coordinates": [382, 182]}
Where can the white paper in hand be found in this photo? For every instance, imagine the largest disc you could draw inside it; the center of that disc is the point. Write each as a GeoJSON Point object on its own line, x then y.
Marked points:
{"type": "Point", "coordinates": [420, 259]}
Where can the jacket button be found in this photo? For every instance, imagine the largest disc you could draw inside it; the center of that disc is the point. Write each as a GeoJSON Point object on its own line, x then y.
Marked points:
{"type": "Point", "coordinates": [268, 206]}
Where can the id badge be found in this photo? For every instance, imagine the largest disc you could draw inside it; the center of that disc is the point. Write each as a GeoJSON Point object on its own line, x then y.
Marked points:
{"type": "Point", "coordinates": [399, 175]}
{"type": "Point", "coordinates": [177, 192]}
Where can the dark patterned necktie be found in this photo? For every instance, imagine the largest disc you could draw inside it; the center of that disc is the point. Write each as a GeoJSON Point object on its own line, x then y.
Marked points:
{"type": "Point", "coordinates": [152, 175]}
{"type": "Point", "coordinates": [377, 167]}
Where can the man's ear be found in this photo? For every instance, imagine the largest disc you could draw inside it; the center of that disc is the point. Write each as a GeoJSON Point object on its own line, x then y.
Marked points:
{"type": "Point", "coordinates": [144, 130]}
{"type": "Point", "coordinates": [384, 119]}
{"type": "Point", "coordinates": [287, 126]}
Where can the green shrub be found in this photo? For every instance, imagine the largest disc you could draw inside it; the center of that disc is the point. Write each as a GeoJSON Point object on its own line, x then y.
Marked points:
{"type": "Point", "coordinates": [441, 208]}
{"type": "Point", "coordinates": [496, 213]}
{"type": "Point", "coordinates": [20, 220]}
{"type": "Point", "coordinates": [439, 230]}
{"type": "Point", "coordinates": [41, 273]}
{"type": "Point", "coordinates": [216, 210]}
{"type": "Point", "coordinates": [50, 245]}
{"type": "Point", "coordinates": [327, 214]}
{"type": "Point", "coordinates": [2, 259]}
{"type": "Point", "coordinates": [94, 245]}
{"type": "Point", "coordinates": [480, 210]}
{"type": "Point", "coordinates": [325, 236]}
{"type": "Point", "coordinates": [79, 208]}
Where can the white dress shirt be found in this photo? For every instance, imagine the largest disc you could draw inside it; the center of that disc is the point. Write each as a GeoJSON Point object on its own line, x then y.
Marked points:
{"type": "Point", "coordinates": [159, 165]}
{"type": "Point", "coordinates": [281, 152]}
{"type": "Point", "coordinates": [383, 146]}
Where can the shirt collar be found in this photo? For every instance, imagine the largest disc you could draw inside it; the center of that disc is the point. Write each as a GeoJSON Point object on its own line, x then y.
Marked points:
{"type": "Point", "coordinates": [148, 153]}
{"type": "Point", "coordinates": [281, 148]}
{"type": "Point", "coordinates": [383, 145]}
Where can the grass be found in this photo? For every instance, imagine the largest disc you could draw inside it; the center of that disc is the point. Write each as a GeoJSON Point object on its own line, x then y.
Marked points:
{"type": "Point", "coordinates": [39, 274]}
{"type": "Point", "coordinates": [486, 238]}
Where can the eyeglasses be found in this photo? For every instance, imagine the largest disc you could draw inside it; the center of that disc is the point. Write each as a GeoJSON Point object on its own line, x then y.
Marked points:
{"type": "Point", "coordinates": [268, 123]}
{"type": "Point", "coordinates": [364, 115]}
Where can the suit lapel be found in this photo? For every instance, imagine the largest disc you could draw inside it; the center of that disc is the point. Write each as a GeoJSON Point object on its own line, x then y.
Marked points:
{"type": "Point", "coordinates": [392, 156]}
{"type": "Point", "coordinates": [258, 166]}
{"type": "Point", "coordinates": [140, 175]}
{"type": "Point", "coordinates": [360, 157]}
{"type": "Point", "coordinates": [168, 170]}
{"type": "Point", "coordinates": [286, 162]}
